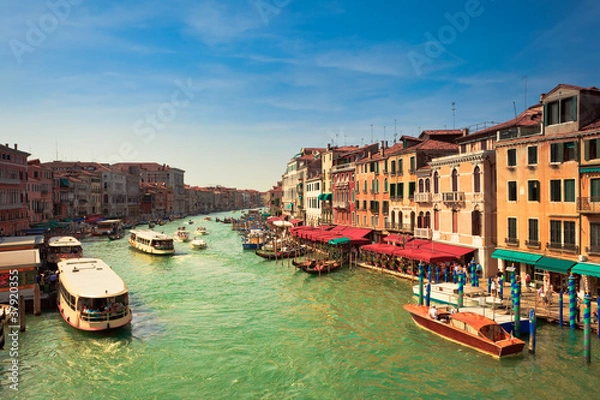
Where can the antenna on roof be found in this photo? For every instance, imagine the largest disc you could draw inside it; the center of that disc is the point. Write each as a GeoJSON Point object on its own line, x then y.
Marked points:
{"type": "Point", "coordinates": [525, 94]}
{"type": "Point", "coordinates": [384, 132]}
{"type": "Point", "coordinates": [453, 115]}
{"type": "Point", "coordinates": [371, 133]}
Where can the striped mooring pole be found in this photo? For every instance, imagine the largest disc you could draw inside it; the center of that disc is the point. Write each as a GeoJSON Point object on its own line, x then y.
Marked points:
{"type": "Point", "coordinates": [572, 303]}
{"type": "Point", "coordinates": [560, 308]}
{"type": "Point", "coordinates": [490, 285]}
{"type": "Point", "coordinates": [446, 274]}
{"type": "Point", "coordinates": [517, 310]}
{"type": "Point", "coordinates": [472, 270]}
{"type": "Point", "coordinates": [461, 289]}
{"type": "Point", "coordinates": [587, 328]}
{"type": "Point", "coordinates": [598, 316]}
{"type": "Point", "coordinates": [428, 294]}
{"type": "Point", "coordinates": [420, 284]}
{"type": "Point", "coordinates": [429, 273]}
{"type": "Point", "coordinates": [454, 275]}
{"type": "Point", "coordinates": [437, 274]}
{"type": "Point", "coordinates": [532, 330]}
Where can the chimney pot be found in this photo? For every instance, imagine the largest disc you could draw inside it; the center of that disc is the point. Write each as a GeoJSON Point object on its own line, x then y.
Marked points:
{"type": "Point", "coordinates": [16, 147]}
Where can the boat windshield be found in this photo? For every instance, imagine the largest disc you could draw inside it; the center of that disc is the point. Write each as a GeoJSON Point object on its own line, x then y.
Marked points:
{"type": "Point", "coordinates": [110, 308]}
{"type": "Point", "coordinates": [162, 244]}
{"type": "Point", "coordinates": [493, 332]}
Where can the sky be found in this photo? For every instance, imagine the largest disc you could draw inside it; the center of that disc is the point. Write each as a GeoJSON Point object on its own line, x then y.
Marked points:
{"type": "Point", "coordinates": [230, 91]}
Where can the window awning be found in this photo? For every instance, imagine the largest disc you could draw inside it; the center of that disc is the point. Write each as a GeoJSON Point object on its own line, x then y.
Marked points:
{"type": "Point", "coordinates": [65, 182]}
{"type": "Point", "coordinates": [289, 205]}
{"type": "Point", "coordinates": [516, 256]}
{"type": "Point", "coordinates": [325, 196]}
{"type": "Point", "coordinates": [338, 241]}
{"type": "Point", "coordinates": [589, 169]}
{"type": "Point", "coordinates": [554, 264]}
{"type": "Point", "coordinates": [587, 269]}
{"type": "Point", "coordinates": [320, 197]}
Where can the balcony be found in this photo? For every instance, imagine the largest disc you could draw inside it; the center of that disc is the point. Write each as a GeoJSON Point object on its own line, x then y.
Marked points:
{"type": "Point", "coordinates": [511, 241]}
{"type": "Point", "coordinates": [453, 197]}
{"type": "Point", "coordinates": [423, 233]}
{"type": "Point", "coordinates": [588, 204]}
{"type": "Point", "coordinates": [342, 205]}
{"type": "Point", "coordinates": [593, 249]}
{"type": "Point", "coordinates": [406, 227]}
{"type": "Point", "coordinates": [533, 244]}
{"type": "Point", "coordinates": [423, 197]}
{"type": "Point", "coordinates": [566, 247]}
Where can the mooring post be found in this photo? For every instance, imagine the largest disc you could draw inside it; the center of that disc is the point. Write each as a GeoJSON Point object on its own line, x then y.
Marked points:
{"type": "Point", "coordinates": [37, 300]}
{"type": "Point", "coordinates": [22, 321]}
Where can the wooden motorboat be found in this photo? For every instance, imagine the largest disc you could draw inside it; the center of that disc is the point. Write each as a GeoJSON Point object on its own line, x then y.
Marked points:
{"type": "Point", "coordinates": [468, 329]}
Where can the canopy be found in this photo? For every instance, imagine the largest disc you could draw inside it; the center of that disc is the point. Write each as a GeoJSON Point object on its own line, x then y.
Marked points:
{"type": "Point", "coordinates": [398, 239]}
{"type": "Point", "coordinates": [554, 265]}
{"type": "Point", "coordinates": [339, 241]}
{"type": "Point", "coordinates": [282, 224]}
{"type": "Point", "coordinates": [422, 250]}
{"type": "Point", "coordinates": [587, 269]}
{"type": "Point", "coordinates": [516, 256]}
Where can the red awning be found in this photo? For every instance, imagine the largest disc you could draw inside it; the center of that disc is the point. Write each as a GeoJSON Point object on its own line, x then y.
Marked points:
{"type": "Point", "coordinates": [397, 239]}
{"type": "Point", "coordinates": [432, 252]}
{"type": "Point", "coordinates": [296, 221]}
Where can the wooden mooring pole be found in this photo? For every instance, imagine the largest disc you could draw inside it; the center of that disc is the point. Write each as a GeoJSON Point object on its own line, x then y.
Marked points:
{"type": "Point", "coordinates": [37, 300]}
{"type": "Point", "coordinates": [22, 321]}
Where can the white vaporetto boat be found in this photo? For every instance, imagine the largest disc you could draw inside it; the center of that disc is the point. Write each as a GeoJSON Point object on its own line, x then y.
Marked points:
{"type": "Point", "coordinates": [151, 242]}
{"type": "Point", "coordinates": [91, 296]}
{"type": "Point", "coordinates": [62, 248]}
{"type": "Point", "coordinates": [201, 230]}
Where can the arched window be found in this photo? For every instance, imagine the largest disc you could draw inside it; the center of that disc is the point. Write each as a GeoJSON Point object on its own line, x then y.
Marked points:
{"type": "Point", "coordinates": [427, 220]}
{"type": "Point", "coordinates": [421, 186]}
{"type": "Point", "coordinates": [477, 180]}
{"type": "Point", "coordinates": [476, 223]}
{"type": "Point", "coordinates": [436, 182]}
{"type": "Point", "coordinates": [385, 185]}
{"type": "Point", "coordinates": [454, 180]}
{"type": "Point", "coordinates": [393, 167]}
{"type": "Point", "coordinates": [421, 220]}
{"type": "Point", "coordinates": [427, 185]}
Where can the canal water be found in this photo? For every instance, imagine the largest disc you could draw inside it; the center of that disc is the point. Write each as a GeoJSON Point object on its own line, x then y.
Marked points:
{"type": "Point", "coordinates": [222, 323]}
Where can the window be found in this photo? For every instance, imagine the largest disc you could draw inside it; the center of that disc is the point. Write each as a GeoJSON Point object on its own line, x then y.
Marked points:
{"type": "Point", "coordinates": [400, 188]}
{"type": "Point", "coordinates": [512, 228]}
{"type": "Point", "coordinates": [421, 186]}
{"type": "Point", "coordinates": [393, 167]}
{"type": "Point", "coordinates": [555, 192]}
{"type": "Point", "coordinates": [385, 185]}
{"type": "Point", "coordinates": [562, 152]}
{"type": "Point", "coordinates": [476, 223]}
{"type": "Point", "coordinates": [569, 188]}
{"type": "Point", "coordinates": [533, 190]}
{"type": "Point", "coordinates": [454, 180]}
{"type": "Point", "coordinates": [595, 190]}
{"type": "Point", "coordinates": [411, 189]}
{"type": "Point", "coordinates": [477, 180]}
{"type": "Point", "coordinates": [392, 190]}
{"type": "Point", "coordinates": [400, 166]}
{"type": "Point", "coordinates": [427, 185]}
{"type": "Point", "coordinates": [594, 237]}
{"type": "Point", "coordinates": [436, 183]}
{"type": "Point", "coordinates": [591, 149]}
{"type": "Point", "coordinates": [555, 233]}
{"type": "Point", "coordinates": [412, 165]}
{"type": "Point", "coordinates": [533, 234]}
{"type": "Point", "coordinates": [512, 191]}
{"type": "Point", "coordinates": [436, 220]}
{"type": "Point", "coordinates": [560, 111]}
{"type": "Point", "coordinates": [569, 234]}
{"type": "Point", "coordinates": [454, 221]}
{"type": "Point", "coordinates": [532, 155]}
{"type": "Point", "coordinates": [511, 157]}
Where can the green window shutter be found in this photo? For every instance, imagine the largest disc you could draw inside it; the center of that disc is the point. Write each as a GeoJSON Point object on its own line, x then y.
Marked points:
{"type": "Point", "coordinates": [545, 114]}
{"type": "Point", "coordinates": [561, 152]}
{"type": "Point", "coordinates": [586, 149]}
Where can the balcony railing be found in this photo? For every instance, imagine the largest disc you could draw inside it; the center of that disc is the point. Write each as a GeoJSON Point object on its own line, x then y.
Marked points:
{"type": "Point", "coordinates": [423, 233]}
{"type": "Point", "coordinates": [568, 247]}
{"type": "Point", "coordinates": [453, 197]}
{"type": "Point", "coordinates": [511, 241]}
{"type": "Point", "coordinates": [535, 244]}
{"type": "Point", "coordinates": [341, 205]}
{"type": "Point", "coordinates": [407, 227]}
{"type": "Point", "coordinates": [423, 197]}
{"type": "Point", "coordinates": [588, 204]}
{"type": "Point", "coordinates": [594, 249]}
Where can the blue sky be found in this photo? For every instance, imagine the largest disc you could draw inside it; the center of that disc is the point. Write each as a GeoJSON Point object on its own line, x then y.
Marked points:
{"type": "Point", "coordinates": [229, 91]}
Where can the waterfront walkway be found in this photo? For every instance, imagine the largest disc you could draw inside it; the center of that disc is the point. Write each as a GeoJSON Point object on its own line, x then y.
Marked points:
{"type": "Point", "coordinates": [529, 300]}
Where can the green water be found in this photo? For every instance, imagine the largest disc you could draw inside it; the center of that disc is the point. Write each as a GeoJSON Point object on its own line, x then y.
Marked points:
{"type": "Point", "coordinates": [222, 323]}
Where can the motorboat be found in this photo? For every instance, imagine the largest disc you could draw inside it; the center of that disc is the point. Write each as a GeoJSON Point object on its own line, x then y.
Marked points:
{"type": "Point", "coordinates": [468, 329]}
{"type": "Point", "coordinates": [182, 235]}
{"type": "Point", "coordinates": [201, 230]}
{"type": "Point", "coordinates": [198, 244]}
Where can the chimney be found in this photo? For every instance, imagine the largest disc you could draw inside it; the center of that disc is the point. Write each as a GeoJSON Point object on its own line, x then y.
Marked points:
{"type": "Point", "coordinates": [328, 146]}
{"type": "Point", "coordinates": [16, 147]}
{"type": "Point", "coordinates": [465, 131]}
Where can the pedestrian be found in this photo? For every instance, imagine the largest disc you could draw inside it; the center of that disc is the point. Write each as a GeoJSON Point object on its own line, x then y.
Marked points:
{"type": "Point", "coordinates": [527, 281]}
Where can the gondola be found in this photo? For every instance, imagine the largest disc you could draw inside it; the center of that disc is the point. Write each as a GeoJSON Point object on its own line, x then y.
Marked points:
{"type": "Point", "coordinates": [323, 268]}
{"type": "Point", "coordinates": [273, 255]}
